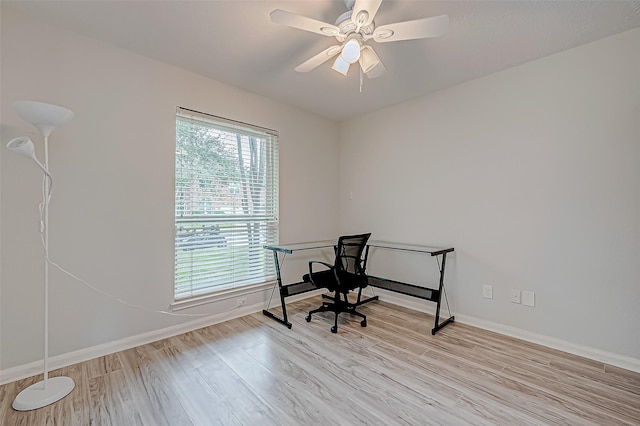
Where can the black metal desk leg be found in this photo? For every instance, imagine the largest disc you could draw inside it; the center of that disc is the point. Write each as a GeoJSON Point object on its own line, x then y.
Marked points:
{"type": "Point", "coordinates": [282, 320]}
{"type": "Point", "coordinates": [438, 326]}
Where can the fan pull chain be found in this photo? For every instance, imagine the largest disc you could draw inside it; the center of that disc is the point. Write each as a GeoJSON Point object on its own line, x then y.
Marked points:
{"type": "Point", "coordinates": [361, 79]}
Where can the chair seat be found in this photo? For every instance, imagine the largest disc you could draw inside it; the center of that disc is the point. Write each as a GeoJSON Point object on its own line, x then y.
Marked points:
{"type": "Point", "coordinates": [322, 279]}
{"type": "Point", "coordinates": [327, 279]}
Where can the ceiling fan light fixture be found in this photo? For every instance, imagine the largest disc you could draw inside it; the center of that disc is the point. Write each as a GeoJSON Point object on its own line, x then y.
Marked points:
{"type": "Point", "coordinates": [351, 51]}
{"type": "Point", "coordinates": [368, 59]}
{"type": "Point", "coordinates": [341, 65]}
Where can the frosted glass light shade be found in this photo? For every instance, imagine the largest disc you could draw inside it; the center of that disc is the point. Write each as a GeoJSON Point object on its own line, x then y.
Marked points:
{"type": "Point", "coordinates": [46, 117]}
{"type": "Point", "coordinates": [341, 65]}
{"type": "Point", "coordinates": [351, 51]}
{"type": "Point", "coordinates": [368, 59]}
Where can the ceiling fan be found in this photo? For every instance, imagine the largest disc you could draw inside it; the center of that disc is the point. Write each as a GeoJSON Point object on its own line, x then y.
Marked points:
{"type": "Point", "coordinates": [353, 29]}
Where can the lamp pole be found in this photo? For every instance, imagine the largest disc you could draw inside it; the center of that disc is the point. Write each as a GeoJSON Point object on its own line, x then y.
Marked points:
{"type": "Point", "coordinates": [45, 208]}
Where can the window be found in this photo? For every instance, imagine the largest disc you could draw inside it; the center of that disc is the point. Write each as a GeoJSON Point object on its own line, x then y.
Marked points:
{"type": "Point", "coordinates": [226, 204]}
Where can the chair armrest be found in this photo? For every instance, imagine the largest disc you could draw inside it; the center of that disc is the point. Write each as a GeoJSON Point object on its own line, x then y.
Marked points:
{"type": "Point", "coordinates": [330, 269]}
{"type": "Point", "coordinates": [311, 262]}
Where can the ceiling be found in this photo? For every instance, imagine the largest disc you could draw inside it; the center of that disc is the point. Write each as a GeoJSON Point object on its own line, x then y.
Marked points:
{"type": "Point", "coordinates": [236, 43]}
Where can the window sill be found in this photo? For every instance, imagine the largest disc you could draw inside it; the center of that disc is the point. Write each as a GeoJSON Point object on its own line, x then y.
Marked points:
{"type": "Point", "coordinates": [219, 296]}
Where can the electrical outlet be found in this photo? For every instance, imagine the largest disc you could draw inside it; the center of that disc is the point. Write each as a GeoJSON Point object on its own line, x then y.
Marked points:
{"type": "Point", "coordinates": [528, 298]}
{"type": "Point", "coordinates": [515, 296]}
{"type": "Point", "coordinates": [487, 291]}
{"type": "Point", "coordinates": [241, 301]}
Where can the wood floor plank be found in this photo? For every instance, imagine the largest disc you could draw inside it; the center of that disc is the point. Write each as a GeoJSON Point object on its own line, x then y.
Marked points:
{"type": "Point", "coordinates": [19, 418]}
{"type": "Point", "coordinates": [72, 406]}
{"type": "Point", "coordinates": [331, 395]}
{"type": "Point", "coordinates": [511, 348]}
{"type": "Point", "coordinates": [6, 393]}
{"type": "Point", "coordinates": [493, 413]}
{"type": "Point", "coordinates": [253, 370]}
{"type": "Point", "coordinates": [151, 390]}
{"type": "Point", "coordinates": [599, 389]}
{"type": "Point", "coordinates": [630, 376]}
{"type": "Point", "coordinates": [472, 381]}
{"type": "Point", "coordinates": [103, 365]}
{"type": "Point", "coordinates": [109, 400]}
{"type": "Point", "coordinates": [625, 379]}
{"type": "Point", "coordinates": [556, 400]}
{"type": "Point", "coordinates": [234, 398]}
{"type": "Point", "coordinates": [618, 406]}
{"type": "Point", "coordinates": [303, 407]}
{"type": "Point", "coordinates": [202, 407]}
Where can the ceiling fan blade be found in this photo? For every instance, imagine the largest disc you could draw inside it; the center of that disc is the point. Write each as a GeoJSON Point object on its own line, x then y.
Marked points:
{"type": "Point", "coordinates": [320, 58]}
{"type": "Point", "coordinates": [364, 11]}
{"type": "Point", "coordinates": [303, 23]}
{"type": "Point", "coordinates": [409, 30]}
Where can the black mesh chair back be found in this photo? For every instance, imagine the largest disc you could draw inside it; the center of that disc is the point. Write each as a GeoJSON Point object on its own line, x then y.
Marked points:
{"type": "Point", "coordinates": [349, 262]}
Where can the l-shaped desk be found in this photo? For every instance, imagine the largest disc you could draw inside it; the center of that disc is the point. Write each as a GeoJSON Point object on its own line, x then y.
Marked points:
{"type": "Point", "coordinates": [433, 295]}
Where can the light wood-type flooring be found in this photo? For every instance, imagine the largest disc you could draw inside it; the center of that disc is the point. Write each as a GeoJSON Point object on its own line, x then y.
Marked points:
{"type": "Point", "coordinates": [255, 371]}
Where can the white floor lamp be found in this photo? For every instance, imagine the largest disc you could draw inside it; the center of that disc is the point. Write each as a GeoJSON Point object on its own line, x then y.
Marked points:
{"type": "Point", "coordinates": [46, 118]}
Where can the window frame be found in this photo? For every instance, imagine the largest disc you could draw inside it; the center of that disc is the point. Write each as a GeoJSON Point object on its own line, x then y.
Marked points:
{"type": "Point", "coordinates": [267, 215]}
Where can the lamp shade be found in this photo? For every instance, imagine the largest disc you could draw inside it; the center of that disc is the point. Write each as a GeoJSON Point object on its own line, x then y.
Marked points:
{"type": "Point", "coordinates": [46, 117]}
{"type": "Point", "coordinates": [22, 145]}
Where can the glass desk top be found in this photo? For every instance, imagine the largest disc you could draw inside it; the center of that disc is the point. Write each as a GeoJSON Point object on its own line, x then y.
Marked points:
{"type": "Point", "coordinates": [290, 248]}
{"type": "Point", "coordinates": [410, 247]}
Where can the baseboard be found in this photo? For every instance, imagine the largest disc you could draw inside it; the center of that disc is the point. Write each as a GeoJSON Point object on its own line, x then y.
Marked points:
{"type": "Point", "coordinates": [610, 358]}
{"type": "Point", "coordinates": [34, 368]}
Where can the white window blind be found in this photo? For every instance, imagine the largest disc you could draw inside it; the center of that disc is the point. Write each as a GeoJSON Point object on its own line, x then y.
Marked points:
{"type": "Point", "coordinates": [226, 204]}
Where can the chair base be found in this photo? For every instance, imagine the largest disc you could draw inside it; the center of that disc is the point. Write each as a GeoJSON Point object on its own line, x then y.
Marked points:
{"type": "Point", "coordinates": [338, 306]}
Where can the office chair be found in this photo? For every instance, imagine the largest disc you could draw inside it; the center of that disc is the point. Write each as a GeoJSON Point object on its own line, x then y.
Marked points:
{"type": "Point", "coordinates": [346, 274]}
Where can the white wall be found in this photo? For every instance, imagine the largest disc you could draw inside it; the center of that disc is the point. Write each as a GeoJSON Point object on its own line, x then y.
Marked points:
{"type": "Point", "coordinates": [112, 213]}
{"type": "Point", "coordinates": [533, 175]}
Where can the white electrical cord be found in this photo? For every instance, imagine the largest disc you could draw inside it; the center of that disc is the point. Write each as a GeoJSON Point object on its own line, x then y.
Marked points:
{"type": "Point", "coordinates": [47, 197]}
{"type": "Point", "coordinates": [117, 299]}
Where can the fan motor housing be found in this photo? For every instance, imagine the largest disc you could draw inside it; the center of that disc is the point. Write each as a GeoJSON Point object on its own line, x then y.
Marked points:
{"type": "Point", "coordinates": [348, 27]}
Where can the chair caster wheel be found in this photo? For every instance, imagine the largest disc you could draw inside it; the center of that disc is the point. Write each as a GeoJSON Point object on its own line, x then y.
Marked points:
{"type": "Point", "coordinates": [363, 323]}
{"type": "Point", "coordinates": [307, 318]}
{"type": "Point", "coordinates": [334, 329]}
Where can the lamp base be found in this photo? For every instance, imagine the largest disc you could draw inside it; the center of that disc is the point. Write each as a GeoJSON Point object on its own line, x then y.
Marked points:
{"type": "Point", "coordinates": [36, 396]}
